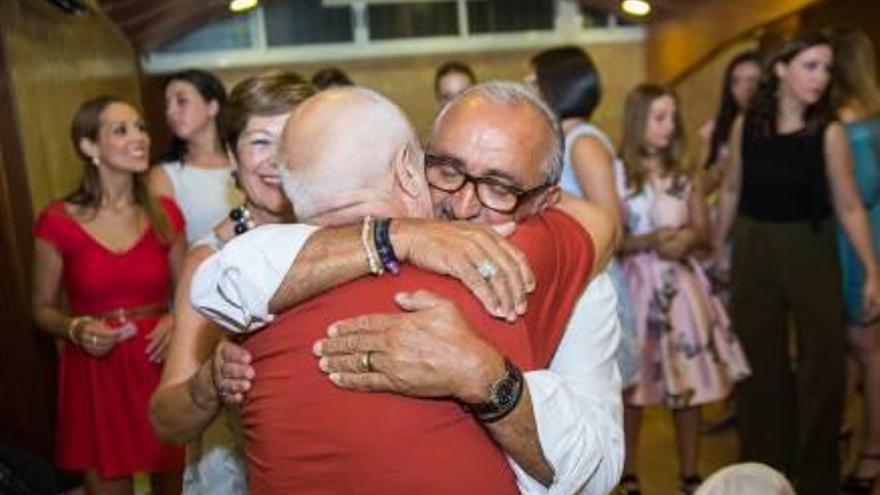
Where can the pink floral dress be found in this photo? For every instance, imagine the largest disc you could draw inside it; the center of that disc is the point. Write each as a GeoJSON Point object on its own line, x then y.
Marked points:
{"type": "Point", "coordinates": [689, 355]}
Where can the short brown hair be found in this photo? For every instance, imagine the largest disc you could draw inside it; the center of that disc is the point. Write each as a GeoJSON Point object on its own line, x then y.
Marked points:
{"type": "Point", "coordinates": [266, 95]}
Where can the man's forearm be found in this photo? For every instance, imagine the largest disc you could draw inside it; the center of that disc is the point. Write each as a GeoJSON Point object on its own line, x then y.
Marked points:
{"type": "Point", "coordinates": [517, 434]}
{"type": "Point", "coordinates": [330, 257]}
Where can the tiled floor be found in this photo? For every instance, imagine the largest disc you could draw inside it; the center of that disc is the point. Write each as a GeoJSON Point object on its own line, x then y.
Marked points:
{"type": "Point", "coordinates": [659, 461]}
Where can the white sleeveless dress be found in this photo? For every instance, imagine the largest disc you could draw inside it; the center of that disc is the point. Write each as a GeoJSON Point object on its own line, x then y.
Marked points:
{"type": "Point", "coordinates": [627, 355]}
{"type": "Point", "coordinates": [204, 195]}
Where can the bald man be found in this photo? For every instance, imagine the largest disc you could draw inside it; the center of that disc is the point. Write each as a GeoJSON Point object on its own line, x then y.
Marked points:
{"type": "Point", "coordinates": [311, 181]}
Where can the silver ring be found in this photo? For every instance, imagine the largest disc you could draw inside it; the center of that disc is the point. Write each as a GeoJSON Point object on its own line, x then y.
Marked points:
{"type": "Point", "coordinates": [487, 270]}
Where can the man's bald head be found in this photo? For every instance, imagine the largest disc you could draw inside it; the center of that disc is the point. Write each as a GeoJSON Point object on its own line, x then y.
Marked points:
{"type": "Point", "coordinates": [341, 150]}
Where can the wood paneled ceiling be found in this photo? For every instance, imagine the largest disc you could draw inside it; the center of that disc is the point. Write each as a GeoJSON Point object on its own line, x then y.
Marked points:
{"type": "Point", "coordinates": [151, 23]}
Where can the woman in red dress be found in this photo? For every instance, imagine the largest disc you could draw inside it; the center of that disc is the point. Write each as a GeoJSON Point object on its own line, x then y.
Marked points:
{"type": "Point", "coordinates": [112, 252]}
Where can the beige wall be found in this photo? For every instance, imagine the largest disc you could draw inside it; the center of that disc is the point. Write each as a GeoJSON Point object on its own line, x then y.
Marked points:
{"type": "Point", "coordinates": [409, 81]}
{"type": "Point", "coordinates": [57, 61]}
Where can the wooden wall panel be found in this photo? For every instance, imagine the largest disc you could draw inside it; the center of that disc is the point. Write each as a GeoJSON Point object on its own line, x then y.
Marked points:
{"type": "Point", "coordinates": [410, 81]}
{"type": "Point", "coordinates": [57, 61]}
{"type": "Point", "coordinates": [49, 63]}
{"type": "Point", "coordinates": [681, 44]}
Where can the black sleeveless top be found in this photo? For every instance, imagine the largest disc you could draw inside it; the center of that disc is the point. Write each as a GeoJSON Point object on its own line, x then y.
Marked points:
{"type": "Point", "coordinates": [783, 177]}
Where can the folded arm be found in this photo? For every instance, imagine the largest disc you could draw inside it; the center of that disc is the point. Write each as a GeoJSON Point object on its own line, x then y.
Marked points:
{"type": "Point", "coordinates": [275, 267]}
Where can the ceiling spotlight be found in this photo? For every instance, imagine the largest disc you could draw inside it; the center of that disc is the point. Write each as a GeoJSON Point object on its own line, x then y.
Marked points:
{"type": "Point", "coordinates": [636, 7]}
{"type": "Point", "coordinates": [242, 5]}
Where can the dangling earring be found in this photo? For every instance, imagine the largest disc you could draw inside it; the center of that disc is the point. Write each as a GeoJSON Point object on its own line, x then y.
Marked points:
{"type": "Point", "coordinates": [95, 161]}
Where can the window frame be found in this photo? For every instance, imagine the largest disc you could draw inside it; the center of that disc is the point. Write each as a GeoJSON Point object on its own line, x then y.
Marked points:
{"type": "Point", "coordinates": [567, 30]}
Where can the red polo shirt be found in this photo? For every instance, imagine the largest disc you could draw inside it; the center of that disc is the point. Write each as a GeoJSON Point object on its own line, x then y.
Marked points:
{"type": "Point", "coordinates": [306, 436]}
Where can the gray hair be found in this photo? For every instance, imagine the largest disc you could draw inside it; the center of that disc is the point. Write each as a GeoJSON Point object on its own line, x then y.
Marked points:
{"type": "Point", "coordinates": [514, 93]}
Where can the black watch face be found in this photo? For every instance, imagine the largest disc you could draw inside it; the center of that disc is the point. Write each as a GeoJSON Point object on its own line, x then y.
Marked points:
{"type": "Point", "coordinates": [506, 392]}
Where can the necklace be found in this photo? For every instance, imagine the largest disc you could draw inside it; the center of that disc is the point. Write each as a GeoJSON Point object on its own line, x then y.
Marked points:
{"type": "Point", "coordinates": [242, 218]}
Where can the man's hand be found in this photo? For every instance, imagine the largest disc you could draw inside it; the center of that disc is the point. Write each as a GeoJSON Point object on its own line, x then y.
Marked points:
{"type": "Point", "coordinates": [459, 249]}
{"type": "Point", "coordinates": [430, 351]}
{"type": "Point", "coordinates": [233, 372]}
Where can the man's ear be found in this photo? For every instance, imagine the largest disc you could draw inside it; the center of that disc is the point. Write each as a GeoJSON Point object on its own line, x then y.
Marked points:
{"type": "Point", "coordinates": [547, 199]}
{"type": "Point", "coordinates": [88, 148]}
{"type": "Point", "coordinates": [408, 170]}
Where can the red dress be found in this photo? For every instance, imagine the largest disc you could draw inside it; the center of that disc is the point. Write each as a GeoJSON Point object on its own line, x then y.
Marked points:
{"type": "Point", "coordinates": [103, 419]}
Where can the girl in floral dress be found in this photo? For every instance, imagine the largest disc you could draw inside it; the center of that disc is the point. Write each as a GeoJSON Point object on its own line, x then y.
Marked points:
{"type": "Point", "coordinates": [689, 357]}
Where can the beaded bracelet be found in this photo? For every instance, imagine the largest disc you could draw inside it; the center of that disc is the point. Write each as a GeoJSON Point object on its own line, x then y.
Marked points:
{"type": "Point", "coordinates": [73, 325]}
{"type": "Point", "coordinates": [384, 247]}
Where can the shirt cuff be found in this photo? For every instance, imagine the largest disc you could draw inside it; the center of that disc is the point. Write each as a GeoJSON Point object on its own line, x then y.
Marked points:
{"type": "Point", "coordinates": [233, 287]}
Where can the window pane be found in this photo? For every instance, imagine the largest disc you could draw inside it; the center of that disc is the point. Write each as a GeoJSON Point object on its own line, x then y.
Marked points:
{"type": "Point", "coordinates": [412, 20]}
{"type": "Point", "coordinates": [494, 16]}
{"type": "Point", "coordinates": [228, 33]}
{"type": "Point", "coordinates": [300, 22]}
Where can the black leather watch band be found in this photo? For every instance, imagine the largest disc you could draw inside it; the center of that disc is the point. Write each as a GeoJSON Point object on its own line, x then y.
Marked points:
{"type": "Point", "coordinates": [503, 397]}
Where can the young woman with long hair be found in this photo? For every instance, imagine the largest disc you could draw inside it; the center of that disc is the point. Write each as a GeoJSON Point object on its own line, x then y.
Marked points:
{"type": "Point", "coordinates": [195, 170]}
{"type": "Point", "coordinates": [688, 355]}
{"type": "Point", "coordinates": [741, 79]}
{"type": "Point", "coordinates": [857, 102]}
{"type": "Point", "coordinates": [790, 174]}
{"type": "Point", "coordinates": [112, 251]}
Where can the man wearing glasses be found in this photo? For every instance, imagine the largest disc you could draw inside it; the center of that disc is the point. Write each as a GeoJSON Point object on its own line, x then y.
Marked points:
{"type": "Point", "coordinates": [492, 159]}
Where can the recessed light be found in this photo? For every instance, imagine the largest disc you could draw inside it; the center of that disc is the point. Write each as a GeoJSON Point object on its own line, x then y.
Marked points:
{"type": "Point", "coordinates": [242, 5]}
{"type": "Point", "coordinates": [636, 7]}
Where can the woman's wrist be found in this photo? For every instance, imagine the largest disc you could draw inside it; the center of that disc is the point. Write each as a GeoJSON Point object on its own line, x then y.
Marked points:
{"type": "Point", "coordinates": [73, 327]}
{"type": "Point", "coordinates": [203, 390]}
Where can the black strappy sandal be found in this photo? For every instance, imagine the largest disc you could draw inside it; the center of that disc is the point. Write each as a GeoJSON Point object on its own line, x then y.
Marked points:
{"type": "Point", "coordinates": [629, 485]}
{"type": "Point", "coordinates": [858, 485]}
{"type": "Point", "coordinates": [689, 484]}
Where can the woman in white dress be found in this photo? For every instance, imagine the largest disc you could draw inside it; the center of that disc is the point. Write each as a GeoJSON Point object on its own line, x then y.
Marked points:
{"type": "Point", "coordinates": [195, 172]}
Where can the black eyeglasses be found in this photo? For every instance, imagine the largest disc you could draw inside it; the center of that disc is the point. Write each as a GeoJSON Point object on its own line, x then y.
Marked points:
{"type": "Point", "coordinates": [446, 174]}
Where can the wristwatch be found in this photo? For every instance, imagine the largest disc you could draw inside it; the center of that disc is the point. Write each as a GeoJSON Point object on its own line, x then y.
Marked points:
{"type": "Point", "coordinates": [504, 395]}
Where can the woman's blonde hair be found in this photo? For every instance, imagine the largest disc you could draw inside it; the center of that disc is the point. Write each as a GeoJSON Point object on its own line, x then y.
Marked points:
{"type": "Point", "coordinates": [633, 148]}
{"type": "Point", "coordinates": [855, 70]}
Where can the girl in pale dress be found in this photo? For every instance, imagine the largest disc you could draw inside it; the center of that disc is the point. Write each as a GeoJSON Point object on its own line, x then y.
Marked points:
{"type": "Point", "coordinates": [689, 356]}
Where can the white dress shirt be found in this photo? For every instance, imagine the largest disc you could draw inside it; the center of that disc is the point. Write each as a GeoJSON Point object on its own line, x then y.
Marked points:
{"type": "Point", "coordinates": [576, 401]}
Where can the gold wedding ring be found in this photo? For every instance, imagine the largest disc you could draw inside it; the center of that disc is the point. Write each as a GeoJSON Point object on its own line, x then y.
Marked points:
{"type": "Point", "coordinates": [366, 363]}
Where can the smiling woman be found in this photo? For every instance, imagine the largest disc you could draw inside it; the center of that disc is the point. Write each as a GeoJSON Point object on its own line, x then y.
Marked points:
{"type": "Point", "coordinates": [186, 405]}
{"type": "Point", "coordinates": [112, 251]}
